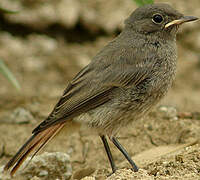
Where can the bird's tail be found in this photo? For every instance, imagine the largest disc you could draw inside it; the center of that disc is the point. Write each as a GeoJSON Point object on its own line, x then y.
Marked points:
{"type": "Point", "coordinates": [34, 144]}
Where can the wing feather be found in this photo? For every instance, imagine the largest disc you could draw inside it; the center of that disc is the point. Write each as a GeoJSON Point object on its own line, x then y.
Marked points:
{"type": "Point", "coordinates": [91, 88]}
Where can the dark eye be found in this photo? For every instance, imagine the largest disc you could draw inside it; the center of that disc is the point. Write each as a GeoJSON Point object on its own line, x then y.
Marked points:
{"type": "Point", "coordinates": [157, 18]}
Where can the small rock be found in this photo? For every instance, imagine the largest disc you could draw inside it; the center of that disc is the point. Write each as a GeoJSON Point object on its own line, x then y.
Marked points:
{"type": "Point", "coordinates": [168, 112]}
{"type": "Point", "coordinates": [19, 116]}
{"type": "Point", "coordinates": [43, 173]}
{"type": "Point", "coordinates": [49, 166]}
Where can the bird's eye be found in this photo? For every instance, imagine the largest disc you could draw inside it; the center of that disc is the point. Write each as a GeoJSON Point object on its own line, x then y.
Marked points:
{"type": "Point", "coordinates": [157, 18]}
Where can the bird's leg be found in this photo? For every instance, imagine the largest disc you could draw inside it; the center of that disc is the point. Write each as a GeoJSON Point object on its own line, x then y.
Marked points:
{"type": "Point", "coordinates": [109, 154]}
{"type": "Point", "coordinates": [125, 153]}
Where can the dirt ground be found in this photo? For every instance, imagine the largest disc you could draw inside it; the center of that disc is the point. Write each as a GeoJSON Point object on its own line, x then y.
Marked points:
{"type": "Point", "coordinates": [164, 144]}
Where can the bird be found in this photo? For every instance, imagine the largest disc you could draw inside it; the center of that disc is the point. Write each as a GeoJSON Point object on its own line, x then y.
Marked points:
{"type": "Point", "coordinates": [121, 84]}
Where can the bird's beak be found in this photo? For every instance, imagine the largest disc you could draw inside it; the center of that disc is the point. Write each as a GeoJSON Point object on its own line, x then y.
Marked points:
{"type": "Point", "coordinates": [181, 21]}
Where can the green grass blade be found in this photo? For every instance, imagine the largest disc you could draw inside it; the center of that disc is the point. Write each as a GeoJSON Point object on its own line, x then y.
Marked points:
{"type": "Point", "coordinates": [6, 72]}
{"type": "Point", "coordinates": [8, 11]}
{"type": "Point", "coordinates": [143, 2]}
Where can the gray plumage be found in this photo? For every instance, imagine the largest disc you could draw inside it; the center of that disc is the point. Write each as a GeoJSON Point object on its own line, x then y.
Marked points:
{"type": "Point", "coordinates": [131, 74]}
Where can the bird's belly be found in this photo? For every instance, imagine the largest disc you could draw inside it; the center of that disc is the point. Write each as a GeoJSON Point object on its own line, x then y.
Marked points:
{"type": "Point", "coordinates": [125, 106]}
{"type": "Point", "coordinates": [112, 116]}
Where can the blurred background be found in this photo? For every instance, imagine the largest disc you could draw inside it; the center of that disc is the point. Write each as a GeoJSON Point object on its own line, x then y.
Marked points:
{"type": "Point", "coordinates": [44, 43]}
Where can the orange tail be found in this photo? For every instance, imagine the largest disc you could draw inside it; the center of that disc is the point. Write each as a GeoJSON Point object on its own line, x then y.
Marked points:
{"type": "Point", "coordinates": [34, 143]}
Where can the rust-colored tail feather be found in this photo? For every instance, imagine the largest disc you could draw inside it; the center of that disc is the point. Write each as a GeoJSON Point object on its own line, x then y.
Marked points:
{"type": "Point", "coordinates": [34, 143]}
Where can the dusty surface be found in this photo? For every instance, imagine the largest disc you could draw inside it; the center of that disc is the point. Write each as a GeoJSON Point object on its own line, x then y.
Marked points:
{"type": "Point", "coordinates": [165, 144]}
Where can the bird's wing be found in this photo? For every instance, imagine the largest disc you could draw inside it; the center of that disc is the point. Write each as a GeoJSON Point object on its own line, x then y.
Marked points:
{"type": "Point", "coordinates": [91, 88]}
{"type": "Point", "coordinates": [82, 94]}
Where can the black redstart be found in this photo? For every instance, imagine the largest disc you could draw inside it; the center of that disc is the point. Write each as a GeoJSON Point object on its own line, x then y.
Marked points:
{"type": "Point", "coordinates": [122, 83]}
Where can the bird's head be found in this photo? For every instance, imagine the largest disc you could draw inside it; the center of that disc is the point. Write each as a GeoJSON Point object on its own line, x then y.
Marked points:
{"type": "Point", "coordinates": [157, 18]}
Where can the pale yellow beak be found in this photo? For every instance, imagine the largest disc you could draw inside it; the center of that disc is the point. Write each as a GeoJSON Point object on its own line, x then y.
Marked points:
{"type": "Point", "coordinates": [181, 21]}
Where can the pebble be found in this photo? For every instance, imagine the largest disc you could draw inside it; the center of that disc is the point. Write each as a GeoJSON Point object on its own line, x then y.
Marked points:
{"type": "Point", "coordinates": [168, 112]}
{"type": "Point", "coordinates": [18, 116]}
{"type": "Point", "coordinates": [51, 166]}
